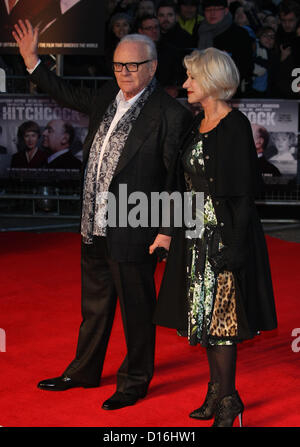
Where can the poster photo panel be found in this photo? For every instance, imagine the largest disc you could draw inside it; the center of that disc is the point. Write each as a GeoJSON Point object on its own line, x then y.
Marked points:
{"type": "Point", "coordinates": [66, 26]}
{"type": "Point", "coordinates": [275, 127]}
{"type": "Point", "coordinates": [37, 134]}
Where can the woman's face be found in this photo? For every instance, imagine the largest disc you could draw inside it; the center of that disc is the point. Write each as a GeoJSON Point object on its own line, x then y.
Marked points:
{"type": "Point", "coordinates": [121, 28]}
{"type": "Point", "coordinates": [240, 17]}
{"type": "Point", "coordinates": [281, 141]}
{"type": "Point", "coordinates": [195, 93]}
{"type": "Point", "coordinates": [31, 140]}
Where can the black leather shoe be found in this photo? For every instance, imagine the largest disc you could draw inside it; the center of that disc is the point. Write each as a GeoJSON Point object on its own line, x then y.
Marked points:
{"type": "Point", "coordinates": [61, 383]}
{"type": "Point", "coordinates": [120, 400]}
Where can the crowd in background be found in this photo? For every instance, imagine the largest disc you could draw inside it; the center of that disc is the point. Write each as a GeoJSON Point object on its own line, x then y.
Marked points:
{"type": "Point", "coordinates": [262, 36]}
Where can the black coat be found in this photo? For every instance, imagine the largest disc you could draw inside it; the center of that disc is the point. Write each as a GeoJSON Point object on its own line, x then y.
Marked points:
{"type": "Point", "coordinates": [19, 160]}
{"type": "Point", "coordinates": [146, 157]}
{"type": "Point", "coordinates": [232, 173]}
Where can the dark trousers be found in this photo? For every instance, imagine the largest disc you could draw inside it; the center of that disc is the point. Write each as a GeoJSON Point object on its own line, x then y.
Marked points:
{"type": "Point", "coordinates": [103, 280]}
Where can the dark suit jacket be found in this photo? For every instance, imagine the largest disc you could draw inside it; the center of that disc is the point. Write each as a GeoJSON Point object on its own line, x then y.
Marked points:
{"type": "Point", "coordinates": [145, 159]}
{"type": "Point", "coordinates": [64, 161]}
{"type": "Point", "coordinates": [233, 178]}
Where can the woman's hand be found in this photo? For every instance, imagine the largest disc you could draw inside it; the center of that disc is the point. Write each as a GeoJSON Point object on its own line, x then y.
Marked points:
{"type": "Point", "coordinates": [27, 39]}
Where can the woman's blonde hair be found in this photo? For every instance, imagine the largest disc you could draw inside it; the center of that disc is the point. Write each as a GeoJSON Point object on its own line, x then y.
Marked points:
{"type": "Point", "coordinates": [215, 71]}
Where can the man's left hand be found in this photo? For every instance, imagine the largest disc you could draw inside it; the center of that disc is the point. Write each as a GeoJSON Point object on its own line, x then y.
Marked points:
{"type": "Point", "coordinates": [161, 240]}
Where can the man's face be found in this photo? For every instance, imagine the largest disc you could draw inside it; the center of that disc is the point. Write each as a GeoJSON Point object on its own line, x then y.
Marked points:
{"type": "Point", "coordinates": [188, 11]}
{"type": "Point", "coordinates": [215, 14]}
{"type": "Point", "coordinates": [150, 28]}
{"type": "Point", "coordinates": [54, 136]}
{"type": "Point", "coordinates": [288, 22]}
{"type": "Point", "coordinates": [146, 7]}
{"type": "Point", "coordinates": [131, 83]}
{"type": "Point", "coordinates": [166, 17]}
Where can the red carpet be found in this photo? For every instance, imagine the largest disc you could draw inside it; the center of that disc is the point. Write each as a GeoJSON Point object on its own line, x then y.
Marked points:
{"type": "Point", "coordinates": [40, 313]}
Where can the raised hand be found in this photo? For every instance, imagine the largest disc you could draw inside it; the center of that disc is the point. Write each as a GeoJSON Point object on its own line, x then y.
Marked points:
{"type": "Point", "coordinates": [27, 39]}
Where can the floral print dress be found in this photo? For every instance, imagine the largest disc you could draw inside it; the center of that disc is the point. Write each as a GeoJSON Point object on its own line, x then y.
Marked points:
{"type": "Point", "coordinates": [202, 281]}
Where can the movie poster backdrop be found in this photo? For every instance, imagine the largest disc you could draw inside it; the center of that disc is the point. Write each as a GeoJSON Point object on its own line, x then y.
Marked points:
{"type": "Point", "coordinates": [38, 123]}
{"type": "Point", "coordinates": [274, 124]}
{"type": "Point", "coordinates": [275, 131]}
{"type": "Point", "coordinates": [65, 26]}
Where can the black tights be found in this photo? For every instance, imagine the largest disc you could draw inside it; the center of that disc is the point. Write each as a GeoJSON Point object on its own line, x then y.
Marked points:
{"type": "Point", "coordinates": [222, 366]}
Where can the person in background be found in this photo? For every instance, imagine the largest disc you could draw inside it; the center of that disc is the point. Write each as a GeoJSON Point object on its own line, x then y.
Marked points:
{"type": "Point", "coordinates": [29, 155]}
{"type": "Point", "coordinates": [265, 59]}
{"type": "Point", "coordinates": [171, 32]}
{"type": "Point", "coordinates": [217, 283]}
{"type": "Point", "coordinates": [242, 17]}
{"type": "Point", "coordinates": [289, 14]}
{"type": "Point", "coordinates": [145, 7]}
{"type": "Point", "coordinates": [170, 72]}
{"type": "Point", "coordinates": [219, 31]}
{"type": "Point", "coordinates": [287, 44]}
{"type": "Point", "coordinates": [119, 26]}
{"type": "Point", "coordinates": [272, 21]}
{"type": "Point", "coordinates": [189, 18]}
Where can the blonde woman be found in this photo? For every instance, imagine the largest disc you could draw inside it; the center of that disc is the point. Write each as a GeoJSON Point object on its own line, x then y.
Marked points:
{"type": "Point", "coordinates": [218, 286]}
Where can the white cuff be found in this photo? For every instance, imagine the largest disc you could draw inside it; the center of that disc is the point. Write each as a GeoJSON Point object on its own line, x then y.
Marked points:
{"type": "Point", "coordinates": [31, 70]}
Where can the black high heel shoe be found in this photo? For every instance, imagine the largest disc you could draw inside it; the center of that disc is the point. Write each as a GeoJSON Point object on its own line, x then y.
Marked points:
{"type": "Point", "coordinates": [229, 407]}
{"type": "Point", "coordinates": [207, 410]}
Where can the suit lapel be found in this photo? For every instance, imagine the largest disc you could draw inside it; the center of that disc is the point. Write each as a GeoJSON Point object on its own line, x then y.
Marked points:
{"type": "Point", "coordinates": [144, 126]}
{"type": "Point", "coordinates": [102, 104]}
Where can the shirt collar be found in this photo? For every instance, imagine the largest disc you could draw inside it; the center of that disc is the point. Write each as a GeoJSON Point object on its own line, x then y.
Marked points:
{"type": "Point", "coordinates": [122, 101]}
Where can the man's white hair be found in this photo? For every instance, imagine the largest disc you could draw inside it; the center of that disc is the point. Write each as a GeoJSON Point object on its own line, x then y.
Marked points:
{"type": "Point", "coordinates": [151, 48]}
